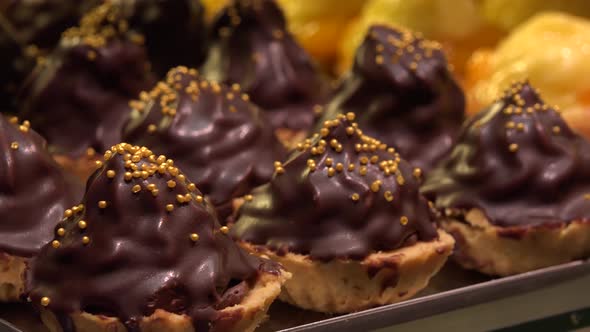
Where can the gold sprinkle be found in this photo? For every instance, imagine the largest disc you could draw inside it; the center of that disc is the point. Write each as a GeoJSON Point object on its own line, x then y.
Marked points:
{"type": "Point", "coordinates": [510, 124]}
{"type": "Point", "coordinates": [180, 198]}
{"type": "Point", "coordinates": [224, 229]}
{"type": "Point", "coordinates": [55, 244]}
{"type": "Point", "coordinates": [248, 198]}
{"type": "Point", "coordinates": [128, 176]}
{"type": "Point", "coordinates": [136, 188]}
{"type": "Point", "coordinates": [388, 196]}
{"type": "Point", "coordinates": [350, 167]}
{"type": "Point", "coordinates": [191, 187]}
{"type": "Point", "coordinates": [82, 224]}
{"type": "Point", "coordinates": [417, 173]}
{"type": "Point", "coordinates": [513, 147]}
{"type": "Point", "coordinates": [85, 240]}
{"type": "Point", "coordinates": [169, 207]}
{"type": "Point", "coordinates": [375, 186]}
{"type": "Point", "coordinates": [98, 164]}
{"type": "Point", "coordinates": [194, 237]}
{"type": "Point", "coordinates": [520, 126]}
{"type": "Point", "coordinates": [403, 220]}
{"type": "Point", "coordinates": [331, 171]}
{"type": "Point", "coordinates": [45, 301]}
{"type": "Point", "coordinates": [152, 128]}
{"type": "Point", "coordinates": [14, 145]}
{"type": "Point", "coordinates": [111, 174]}
{"type": "Point", "coordinates": [155, 192]}
{"type": "Point", "coordinates": [587, 197]}
{"type": "Point", "coordinates": [102, 204]}
{"type": "Point", "coordinates": [556, 130]}
{"type": "Point", "coordinates": [350, 116]}
{"type": "Point", "coordinates": [355, 197]}
{"type": "Point", "coordinates": [68, 213]}
{"type": "Point", "coordinates": [199, 199]}
{"type": "Point", "coordinates": [280, 170]}
{"type": "Point", "coordinates": [61, 231]}
{"type": "Point", "coordinates": [171, 183]}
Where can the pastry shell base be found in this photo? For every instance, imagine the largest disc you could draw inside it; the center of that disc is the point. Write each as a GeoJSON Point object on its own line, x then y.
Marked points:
{"type": "Point", "coordinates": [342, 286]}
{"type": "Point", "coordinates": [243, 317]}
{"type": "Point", "coordinates": [12, 277]}
{"type": "Point", "coordinates": [81, 167]}
{"type": "Point", "coordinates": [504, 251]}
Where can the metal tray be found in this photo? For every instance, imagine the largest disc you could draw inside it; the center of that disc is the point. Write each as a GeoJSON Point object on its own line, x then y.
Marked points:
{"type": "Point", "coordinates": [451, 289]}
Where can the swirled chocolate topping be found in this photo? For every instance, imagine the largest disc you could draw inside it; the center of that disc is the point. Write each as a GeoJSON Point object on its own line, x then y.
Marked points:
{"type": "Point", "coordinates": [33, 190]}
{"type": "Point", "coordinates": [27, 30]}
{"type": "Point", "coordinates": [142, 239]}
{"type": "Point", "coordinates": [174, 30]}
{"type": "Point", "coordinates": [403, 94]}
{"type": "Point", "coordinates": [518, 162]}
{"type": "Point", "coordinates": [251, 46]}
{"type": "Point", "coordinates": [79, 97]}
{"type": "Point", "coordinates": [211, 130]}
{"type": "Point", "coordinates": [341, 194]}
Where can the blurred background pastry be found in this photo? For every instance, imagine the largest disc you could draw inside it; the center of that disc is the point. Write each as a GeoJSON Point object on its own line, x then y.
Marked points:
{"type": "Point", "coordinates": [514, 191]}
{"type": "Point", "coordinates": [78, 97]}
{"type": "Point", "coordinates": [140, 255]}
{"type": "Point", "coordinates": [221, 140]}
{"type": "Point", "coordinates": [403, 94]}
{"type": "Point", "coordinates": [550, 50]}
{"type": "Point", "coordinates": [252, 47]}
{"type": "Point", "coordinates": [34, 193]}
{"type": "Point", "coordinates": [343, 214]}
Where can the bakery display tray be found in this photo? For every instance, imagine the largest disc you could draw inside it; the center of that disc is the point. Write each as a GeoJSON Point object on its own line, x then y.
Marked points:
{"type": "Point", "coordinates": [451, 289]}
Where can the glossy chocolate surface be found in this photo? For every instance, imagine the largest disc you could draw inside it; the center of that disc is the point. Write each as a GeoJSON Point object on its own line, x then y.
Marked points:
{"type": "Point", "coordinates": [320, 205]}
{"type": "Point", "coordinates": [403, 94]}
{"type": "Point", "coordinates": [34, 192]}
{"type": "Point", "coordinates": [143, 239]}
{"type": "Point", "coordinates": [78, 99]}
{"type": "Point", "coordinates": [251, 46]}
{"type": "Point", "coordinates": [174, 30]}
{"type": "Point", "coordinates": [518, 162]}
{"type": "Point", "coordinates": [221, 140]}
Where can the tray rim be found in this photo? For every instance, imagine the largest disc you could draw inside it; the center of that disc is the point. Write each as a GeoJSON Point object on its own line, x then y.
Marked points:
{"type": "Point", "coordinates": [446, 301]}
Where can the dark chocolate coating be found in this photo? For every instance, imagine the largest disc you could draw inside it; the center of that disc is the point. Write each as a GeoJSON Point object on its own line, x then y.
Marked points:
{"type": "Point", "coordinates": [403, 94]}
{"type": "Point", "coordinates": [139, 256]}
{"type": "Point", "coordinates": [306, 211]}
{"type": "Point", "coordinates": [221, 141]}
{"type": "Point", "coordinates": [175, 31]}
{"type": "Point", "coordinates": [252, 47]}
{"type": "Point", "coordinates": [79, 98]}
{"type": "Point", "coordinates": [29, 29]}
{"type": "Point", "coordinates": [518, 162]}
{"type": "Point", "coordinates": [34, 192]}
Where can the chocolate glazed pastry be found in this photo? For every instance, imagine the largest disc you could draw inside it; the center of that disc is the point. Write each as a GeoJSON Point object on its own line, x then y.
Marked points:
{"type": "Point", "coordinates": [78, 99]}
{"type": "Point", "coordinates": [34, 193]}
{"type": "Point", "coordinates": [515, 188]}
{"type": "Point", "coordinates": [212, 132]}
{"type": "Point", "coordinates": [29, 29]}
{"type": "Point", "coordinates": [403, 93]}
{"type": "Point", "coordinates": [141, 254]}
{"type": "Point", "coordinates": [174, 30]}
{"type": "Point", "coordinates": [251, 46]}
{"type": "Point", "coordinates": [344, 215]}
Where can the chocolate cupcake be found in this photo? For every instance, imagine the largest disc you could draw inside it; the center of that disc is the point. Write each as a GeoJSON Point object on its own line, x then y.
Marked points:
{"type": "Point", "coordinates": [28, 30]}
{"type": "Point", "coordinates": [78, 98]}
{"type": "Point", "coordinates": [345, 216]}
{"type": "Point", "coordinates": [174, 30]}
{"type": "Point", "coordinates": [221, 140]}
{"type": "Point", "coordinates": [144, 255]}
{"type": "Point", "coordinates": [251, 47]}
{"type": "Point", "coordinates": [34, 193]}
{"type": "Point", "coordinates": [515, 189]}
{"type": "Point", "coordinates": [402, 92]}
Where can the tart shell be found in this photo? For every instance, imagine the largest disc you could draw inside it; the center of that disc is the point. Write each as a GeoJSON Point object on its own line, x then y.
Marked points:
{"type": "Point", "coordinates": [12, 277]}
{"type": "Point", "coordinates": [342, 286]}
{"type": "Point", "coordinates": [506, 251]}
{"type": "Point", "coordinates": [243, 317]}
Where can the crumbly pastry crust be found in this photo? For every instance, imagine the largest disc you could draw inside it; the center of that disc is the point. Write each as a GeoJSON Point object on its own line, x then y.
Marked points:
{"type": "Point", "coordinates": [506, 251]}
{"type": "Point", "coordinates": [81, 167]}
{"type": "Point", "coordinates": [243, 317]}
{"type": "Point", "coordinates": [342, 286]}
{"type": "Point", "coordinates": [290, 137]}
{"type": "Point", "coordinates": [12, 277]}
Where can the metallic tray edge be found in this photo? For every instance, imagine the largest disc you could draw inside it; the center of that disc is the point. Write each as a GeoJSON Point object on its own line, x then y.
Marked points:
{"type": "Point", "coordinates": [443, 302]}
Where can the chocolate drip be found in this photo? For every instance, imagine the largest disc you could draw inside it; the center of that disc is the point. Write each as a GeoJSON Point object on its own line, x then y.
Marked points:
{"type": "Point", "coordinates": [212, 132]}
{"type": "Point", "coordinates": [518, 162]}
{"type": "Point", "coordinates": [340, 195]}
{"type": "Point", "coordinates": [34, 192]}
{"type": "Point", "coordinates": [142, 239]}
{"type": "Point", "coordinates": [79, 97]}
{"type": "Point", "coordinates": [174, 30]}
{"type": "Point", "coordinates": [402, 92]}
{"type": "Point", "coordinates": [251, 46]}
